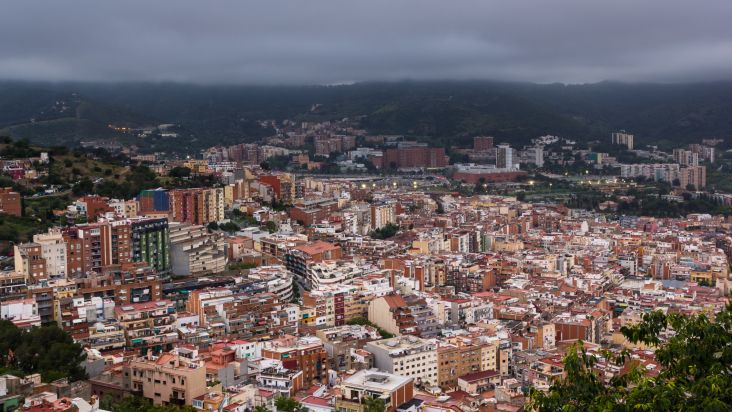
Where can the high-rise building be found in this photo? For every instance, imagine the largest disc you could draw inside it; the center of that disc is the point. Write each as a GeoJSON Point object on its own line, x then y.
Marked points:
{"type": "Point", "coordinates": [537, 155]}
{"type": "Point", "coordinates": [482, 143]}
{"type": "Point", "coordinates": [382, 214]}
{"type": "Point", "coordinates": [686, 157]}
{"type": "Point", "coordinates": [705, 153]}
{"type": "Point", "coordinates": [150, 243]}
{"type": "Point", "coordinates": [506, 157]}
{"type": "Point", "coordinates": [624, 139]}
{"type": "Point", "coordinates": [197, 206]}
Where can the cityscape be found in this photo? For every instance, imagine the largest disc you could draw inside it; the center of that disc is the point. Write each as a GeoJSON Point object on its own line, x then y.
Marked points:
{"type": "Point", "coordinates": [365, 206]}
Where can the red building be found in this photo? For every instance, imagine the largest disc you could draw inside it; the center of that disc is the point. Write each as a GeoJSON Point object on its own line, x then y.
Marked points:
{"type": "Point", "coordinates": [409, 157]}
{"type": "Point", "coordinates": [10, 202]}
{"type": "Point", "coordinates": [474, 178]}
{"type": "Point", "coordinates": [17, 173]}
{"type": "Point", "coordinates": [482, 143]}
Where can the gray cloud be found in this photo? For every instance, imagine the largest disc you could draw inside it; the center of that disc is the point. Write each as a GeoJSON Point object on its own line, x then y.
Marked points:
{"type": "Point", "coordinates": [328, 42]}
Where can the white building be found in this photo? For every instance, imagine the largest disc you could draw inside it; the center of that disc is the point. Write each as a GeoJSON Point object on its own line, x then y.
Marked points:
{"type": "Point", "coordinates": [22, 312]}
{"type": "Point", "coordinates": [407, 356]}
{"type": "Point", "coordinates": [53, 249]}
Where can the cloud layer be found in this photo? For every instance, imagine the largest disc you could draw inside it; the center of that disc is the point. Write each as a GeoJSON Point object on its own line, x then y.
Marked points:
{"type": "Point", "coordinates": [330, 42]}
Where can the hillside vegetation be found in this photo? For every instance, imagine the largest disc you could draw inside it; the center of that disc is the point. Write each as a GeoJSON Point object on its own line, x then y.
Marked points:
{"type": "Point", "coordinates": [445, 112]}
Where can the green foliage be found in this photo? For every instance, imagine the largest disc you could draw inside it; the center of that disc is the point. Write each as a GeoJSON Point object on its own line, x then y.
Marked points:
{"type": "Point", "coordinates": [287, 404]}
{"type": "Point", "coordinates": [47, 350]}
{"type": "Point", "coordinates": [279, 205]}
{"type": "Point", "coordinates": [180, 171]}
{"type": "Point", "coordinates": [20, 229]}
{"type": "Point", "coordinates": [374, 404]}
{"type": "Point", "coordinates": [385, 232]}
{"type": "Point", "coordinates": [229, 227]}
{"type": "Point", "coordinates": [521, 196]}
{"type": "Point", "coordinates": [652, 205]}
{"type": "Point", "coordinates": [84, 187]}
{"type": "Point", "coordinates": [270, 226]}
{"type": "Point", "coordinates": [138, 404]}
{"type": "Point", "coordinates": [141, 178]}
{"type": "Point", "coordinates": [693, 374]}
{"type": "Point", "coordinates": [245, 265]}
{"type": "Point", "coordinates": [261, 408]}
{"type": "Point", "coordinates": [364, 322]}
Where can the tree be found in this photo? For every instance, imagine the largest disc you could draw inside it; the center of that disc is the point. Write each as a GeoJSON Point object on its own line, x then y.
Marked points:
{"type": "Point", "coordinates": [229, 227]}
{"type": "Point", "coordinates": [694, 371]}
{"type": "Point", "coordinates": [676, 182]}
{"type": "Point", "coordinates": [691, 187]}
{"type": "Point", "coordinates": [270, 226]}
{"type": "Point", "coordinates": [265, 166]}
{"type": "Point", "coordinates": [286, 404]}
{"type": "Point", "coordinates": [261, 408]}
{"type": "Point", "coordinates": [84, 187]}
{"type": "Point", "coordinates": [179, 171]}
{"type": "Point", "coordinates": [521, 196]}
{"type": "Point", "coordinates": [212, 227]}
{"type": "Point", "coordinates": [374, 405]}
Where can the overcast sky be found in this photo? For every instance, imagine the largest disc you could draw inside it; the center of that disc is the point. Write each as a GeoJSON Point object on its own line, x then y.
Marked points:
{"type": "Point", "coordinates": [340, 41]}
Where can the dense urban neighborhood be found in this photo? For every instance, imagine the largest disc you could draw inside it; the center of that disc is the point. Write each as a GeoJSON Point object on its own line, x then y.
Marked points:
{"type": "Point", "coordinates": [328, 270]}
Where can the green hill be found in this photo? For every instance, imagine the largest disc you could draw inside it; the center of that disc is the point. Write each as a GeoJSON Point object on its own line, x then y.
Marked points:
{"type": "Point", "coordinates": [446, 113]}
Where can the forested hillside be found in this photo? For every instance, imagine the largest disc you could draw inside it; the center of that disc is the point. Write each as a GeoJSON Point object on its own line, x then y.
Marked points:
{"type": "Point", "coordinates": [449, 113]}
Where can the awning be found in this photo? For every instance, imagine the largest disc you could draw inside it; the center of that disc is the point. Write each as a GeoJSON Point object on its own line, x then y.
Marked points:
{"type": "Point", "coordinates": [136, 340]}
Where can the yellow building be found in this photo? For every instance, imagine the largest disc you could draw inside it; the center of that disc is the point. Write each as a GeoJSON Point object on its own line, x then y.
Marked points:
{"type": "Point", "coordinates": [702, 276]}
{"type": "Point", "coordinates": [308, 315]}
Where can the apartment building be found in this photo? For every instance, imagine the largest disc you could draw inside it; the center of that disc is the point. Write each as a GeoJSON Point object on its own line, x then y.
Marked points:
{"type": "Point", "coordinates": [194, 252]}
{"type": "Point", "coordinates": [10, 202]}
{"type": "Point", "coordinates": [488, 356]}
{"type": "Point", "coordinates": [283, 185]}
{"type": "Point", "coordinates": [280, 380]}
{"type": "Point", "coordinates": [396, 315]}
{"type": "Point", "coordinates": [455, 361]}
{"type": "Point", "coordinates": [482, 143]}
{"type": "Point", "coordinates": [382, 214]}
{"type": "Point", "coordinates": [411, 157]}
{"type": "Point", "coordinates": [298, 258]}
{"type": "Point", "coordinates": [479, 382]}
{"type": "Point", "coordinates": [407, 356]}
{"type": "Point", "coordinates": [686, 157]}
{"type": "Point", "coordinates": [22, 312]}
{"type": "Point", "coordinates": [394, 390]}
{"type": "Point", "coordinates": [149, 326]}
{"type": "Point", "coordinates": [312, 211]}
{"type": "Point", "coordinates": [165, 380]}
{"type": "Point", "coordinates": [278, 244]}
{"type": "Point", "coordinates": [197, 206]}
{"type": "Point", "coordinates": [623, 139]}
{"type": "Point", "coordinates": [29, 262]}
{"type": "Point", "coordinates": [341, 341]}
{"type": "Point", "coordinates": [305, 354]}
{"type": "Point", "coordinates": [12, 286]}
